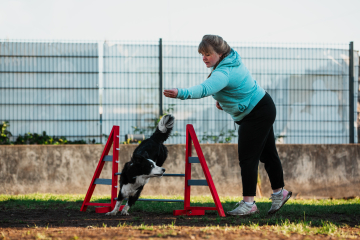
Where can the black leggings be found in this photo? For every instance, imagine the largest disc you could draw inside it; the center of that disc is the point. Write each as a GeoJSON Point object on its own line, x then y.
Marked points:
{"type": "Point", "coordinates": [257, 141]}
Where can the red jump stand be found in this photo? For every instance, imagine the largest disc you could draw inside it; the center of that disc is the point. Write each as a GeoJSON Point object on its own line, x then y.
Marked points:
{"type": "Point", "coordinates": [191, 210]}
{"type": "Point", "coordinates": [105, 207]}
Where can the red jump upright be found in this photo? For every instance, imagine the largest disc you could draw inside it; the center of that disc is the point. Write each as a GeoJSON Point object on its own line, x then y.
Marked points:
{"type": "Point", "coordinates": [190, 210]}
{"type": "Point", "coordinates": [106, 207]}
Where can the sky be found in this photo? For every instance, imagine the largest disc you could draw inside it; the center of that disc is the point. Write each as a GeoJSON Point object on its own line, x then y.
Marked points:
{"type": "Point", "coordinates": [310, 21]}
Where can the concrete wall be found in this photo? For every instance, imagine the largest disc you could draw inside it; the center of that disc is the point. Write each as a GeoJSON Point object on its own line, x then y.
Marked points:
{"type": "Point", "coordinates": [309, 170]}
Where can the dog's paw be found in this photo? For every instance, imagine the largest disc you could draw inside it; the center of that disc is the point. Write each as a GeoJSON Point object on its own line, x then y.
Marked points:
{"type": "Point", "coordinates": [113, 213]}
{"type": "Point", "coordinates": [124, 213]}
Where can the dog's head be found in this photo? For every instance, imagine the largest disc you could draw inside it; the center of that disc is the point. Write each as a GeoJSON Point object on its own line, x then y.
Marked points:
{"type": "Point", "coordinates": [142, 166]}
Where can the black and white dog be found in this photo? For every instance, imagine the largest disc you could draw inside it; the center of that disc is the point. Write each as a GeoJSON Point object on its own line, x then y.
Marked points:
{"type": "Point", "coordinates": [145, 163]}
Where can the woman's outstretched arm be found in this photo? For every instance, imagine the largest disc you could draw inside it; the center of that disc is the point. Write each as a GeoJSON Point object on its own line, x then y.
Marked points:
{"type": "Point", "coordinates": [212, 85]}
{"type": "Point", "coordinates": [171, 93]}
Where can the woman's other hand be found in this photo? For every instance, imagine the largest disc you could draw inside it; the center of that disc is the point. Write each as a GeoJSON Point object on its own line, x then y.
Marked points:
{"type": "Point", "coordinates": [218, 106]}
{"type": "Point", "coordinates": [171, 93]}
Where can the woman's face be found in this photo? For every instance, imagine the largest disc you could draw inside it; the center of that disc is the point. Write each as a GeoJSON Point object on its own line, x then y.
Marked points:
{"type": "Point", "coordinates": [210, 59]}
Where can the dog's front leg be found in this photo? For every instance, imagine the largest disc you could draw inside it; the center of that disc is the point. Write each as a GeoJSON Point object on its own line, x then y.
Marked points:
{"type": "Point", "coordinates": [117, 206]}
{"type": "Point", "coordinates": [131, 201]}
{"type": "Point", "coordinates": [116, 209]}
{"type": "Point", "coordinates": [125, 209]}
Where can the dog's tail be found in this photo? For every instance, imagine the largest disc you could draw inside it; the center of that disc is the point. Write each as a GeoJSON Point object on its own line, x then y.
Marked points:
{"type": "Point", "coordinates": [164, 128]}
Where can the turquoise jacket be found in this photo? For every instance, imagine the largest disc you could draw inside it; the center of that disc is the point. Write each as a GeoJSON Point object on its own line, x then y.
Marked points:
{"type": "Point", "coordinates": [231, 84]}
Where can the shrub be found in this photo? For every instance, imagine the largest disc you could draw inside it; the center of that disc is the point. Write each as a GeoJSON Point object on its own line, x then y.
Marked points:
{"type": "Point", "coordinates": [223, 137]}
{"type": "Point", "coordinates": [34, 138]}
{"type": "Point", "coordinates": [5, 134]}
{"type": "Point", "coordinates": [148, 130]}
{"type": "Point", "coordinates": [44, 139]}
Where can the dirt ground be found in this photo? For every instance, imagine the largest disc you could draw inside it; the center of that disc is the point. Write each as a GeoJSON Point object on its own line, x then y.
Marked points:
{"type": "Point", "coordinates": [156, 233]}
{"type": "Point", "coordinates": [73, 224]}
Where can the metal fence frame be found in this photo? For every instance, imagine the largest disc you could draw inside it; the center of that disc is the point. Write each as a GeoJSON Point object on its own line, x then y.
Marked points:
{"type": "Point", "coordinates": [161, 63]}
{"type": "Point", "coordinates": [50, 86]}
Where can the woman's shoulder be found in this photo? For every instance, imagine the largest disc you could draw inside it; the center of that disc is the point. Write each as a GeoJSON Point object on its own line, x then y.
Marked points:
{"type": "Point", "coordinates": [223, 69]}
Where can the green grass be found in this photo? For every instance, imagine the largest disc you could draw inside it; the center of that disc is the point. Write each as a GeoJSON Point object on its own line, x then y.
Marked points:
{"type": "Point", "coordinates": [44, 201]}
{"type": "Point", "coordinates": [324, 213]}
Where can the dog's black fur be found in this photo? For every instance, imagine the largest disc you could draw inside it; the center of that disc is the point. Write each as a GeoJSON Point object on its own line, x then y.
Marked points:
{"type": "Point", "coordinates": [146, 162]}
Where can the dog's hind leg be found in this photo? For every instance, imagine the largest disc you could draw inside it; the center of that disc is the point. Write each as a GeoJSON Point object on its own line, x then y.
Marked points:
{"type": "Point", "coordinates": [162, 155]}
{"type": "Point", "coordinates": [131, 201]}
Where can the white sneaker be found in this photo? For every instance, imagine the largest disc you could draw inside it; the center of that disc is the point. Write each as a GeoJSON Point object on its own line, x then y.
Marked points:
{"type": "Point", "coordinates": [278, 200]}
{"type": "Point", "coordinates": [244, 209]}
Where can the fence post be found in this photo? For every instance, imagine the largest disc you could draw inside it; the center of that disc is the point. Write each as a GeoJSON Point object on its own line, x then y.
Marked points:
{"type": "Point", "coordinates": [351, 92]}
{"type": "Point", "coordinates": [358, 100]}
{"type": "Point", "coordinates": [101, 127]}
{"type": "Point", "coordinates": [101, 50]}
{"type": "Point", "coordinates": [160, 78]}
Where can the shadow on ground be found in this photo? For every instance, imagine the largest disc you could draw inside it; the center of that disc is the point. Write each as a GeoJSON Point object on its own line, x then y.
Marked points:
{"type": "Point", "coordinates": [16, 214]}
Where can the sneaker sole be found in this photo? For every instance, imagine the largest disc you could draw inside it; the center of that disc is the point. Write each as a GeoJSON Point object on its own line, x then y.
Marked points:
{"type": "Point", "coordinates": [233, 214]}
{"type": "Point", "coordinates": [287, 198]}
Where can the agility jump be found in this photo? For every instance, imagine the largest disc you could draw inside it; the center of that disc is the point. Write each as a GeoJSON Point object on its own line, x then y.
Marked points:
{"type": "Point", "coordinates": [188, 210]}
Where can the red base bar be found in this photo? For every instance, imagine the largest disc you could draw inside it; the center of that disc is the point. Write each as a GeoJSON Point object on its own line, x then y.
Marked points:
{"type": "Point", "coordinates": [192, 212]}
{"type": "Point", "coordinates": [106, 209]}
{"type": "Point", "coordinates": [102, 209]}
{"type": "Point", "coordinates": [98, 204]}
{"type": "Point", "coordinates": [201, 208]}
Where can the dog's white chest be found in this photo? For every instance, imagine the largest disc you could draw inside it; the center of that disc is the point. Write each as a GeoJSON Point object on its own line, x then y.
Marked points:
{"type": "Point", "coordinates": [130, 189]}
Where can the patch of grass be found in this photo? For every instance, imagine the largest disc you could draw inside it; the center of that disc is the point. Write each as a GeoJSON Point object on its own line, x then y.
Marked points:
{"type": "Point", "coordinates": [325, 216]}
{"type": "Point", "coordinates": [307, 228]}
{"type": "Point", "coordinates": [166, 234]}
{"type": "Point", "coordinates": [218, 220]}
{"type": "Point", "coordinates": [32, 226]}
{"type": "Point", "coordinates": [121, 225]}
{"type": "Point", "coordinates": [299, 208]}
{"type": "Point", "coordinates": [40, 236]}
{"type": "Point", "coordinates": [296, 208]}
{"type": "Point", "coordinates": [39, 200]}
{"type": "Point", "coordinates": [205, 219]}
{"type": "Point", "coordinates": [145, 227]}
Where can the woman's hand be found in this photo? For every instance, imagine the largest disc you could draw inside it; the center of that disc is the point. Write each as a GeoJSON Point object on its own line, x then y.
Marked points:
{"type": "Point", "coordinates": [218, 106]}
{"type": "Point", "coordinates": [171, 93]}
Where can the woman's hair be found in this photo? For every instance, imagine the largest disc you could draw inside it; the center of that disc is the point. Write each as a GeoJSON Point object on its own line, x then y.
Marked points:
{"type": "Point", "coordinates": [210, 43]}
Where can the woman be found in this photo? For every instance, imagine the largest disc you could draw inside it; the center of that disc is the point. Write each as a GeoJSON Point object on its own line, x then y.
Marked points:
{"type": "Point", "coordinates": [238, 94]}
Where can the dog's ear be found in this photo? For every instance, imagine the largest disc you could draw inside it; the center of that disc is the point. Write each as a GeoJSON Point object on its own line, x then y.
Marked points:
{"type": "Point", "coordinates": [136, 156]}
{"type": "Point", "coordinates": [146, 155]}
{"type": "Point", "coordinates": [127, 173]}
{"type": "Point", "coordinates": [127, 166]}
